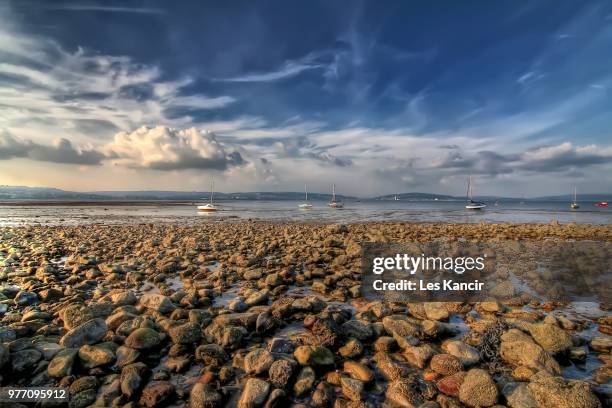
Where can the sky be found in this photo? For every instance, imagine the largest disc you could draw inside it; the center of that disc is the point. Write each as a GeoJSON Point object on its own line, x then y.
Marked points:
{"type": "Point", "coordinates": [377, 98]}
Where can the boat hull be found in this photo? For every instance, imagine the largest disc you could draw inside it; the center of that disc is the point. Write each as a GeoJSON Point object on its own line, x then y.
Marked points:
{"type": "Point", "coordinates": [475, 206]}
{"type": "Point", "coordinates": [305, 206]}
{"type": "Point", "coordinates": [335, 205]}
{"type": "Point", "coordinates": [207, 208]}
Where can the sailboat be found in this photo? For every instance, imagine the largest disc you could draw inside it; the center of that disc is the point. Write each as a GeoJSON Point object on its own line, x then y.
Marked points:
{"type": "Point", "coordinates": [333, 203]}
{"type": "Point", "coordinates": [305, 205]}
{"type": "Point", "coordinates": [574, 205]}
{"type": "Point", "coordinates": [209, 207]}
{"type": "Point", "coordinates": [472, 205]}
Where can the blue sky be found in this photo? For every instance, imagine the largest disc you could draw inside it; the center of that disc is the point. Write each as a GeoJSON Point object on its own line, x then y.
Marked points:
{"type": "Point", "coordinates": [268, 95]}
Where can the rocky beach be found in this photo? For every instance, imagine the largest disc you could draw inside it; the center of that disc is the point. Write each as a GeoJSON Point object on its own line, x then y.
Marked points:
{"type": "Point", "coordinates": [265, 314]}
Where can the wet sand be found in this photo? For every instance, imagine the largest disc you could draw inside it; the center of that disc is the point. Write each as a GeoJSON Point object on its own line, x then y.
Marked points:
{"type": "Point", "coordinates": [270, 314]}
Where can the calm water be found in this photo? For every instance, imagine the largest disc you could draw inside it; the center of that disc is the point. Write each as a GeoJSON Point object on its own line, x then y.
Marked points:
{"type": "Point", "coordinates": [530, 212]}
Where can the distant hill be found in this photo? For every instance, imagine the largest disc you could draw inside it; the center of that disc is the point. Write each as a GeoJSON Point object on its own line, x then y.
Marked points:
{"type": "Point", "coordinates": [47, 193]}
{"type": "Point", "coordinates": [44, 193]}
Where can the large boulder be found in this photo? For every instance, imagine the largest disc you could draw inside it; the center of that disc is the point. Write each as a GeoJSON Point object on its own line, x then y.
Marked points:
{"type": "Point", "coordinates": [551, 337]}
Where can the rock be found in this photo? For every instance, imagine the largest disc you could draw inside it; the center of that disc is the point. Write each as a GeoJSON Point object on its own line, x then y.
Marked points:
{"type": "Point", "coordinates": [82, 399]}
{"type": "Point", "coordinates": [517, 396]}
{"type": "Point", "coordinates": [61, 365]}
{"type": "Point", "coordinates": [281, 345]}
{"type": "Point", "coordinates": [353, 348]}
{"type": "Point", "coordinates": [325, 333]}
{"type": "Point", "coordinates": [264, 322]}
{"type": "Point", "coordinates": [357, 329]}
{"type": "Point", "coordinates": [276, 399]}
{"type": "Point", "coordinates": [237, 305]}
{"type": "Point", "coordinates": [478, 389]}
{"type": "Point", "coordinates": [132, 378]}
{"type": "Point", "coordinates": [123, 298]}
{"type": "Point", "coordinates": [390, 369]}
{"type": "Point", "coordinates": [450, 384]}
{"type": "Point", "coordinates": [258, 298]}
{"type": "Point", "coordinates": [142, 339]}
{"type": "Point", "coordinates": [280, 373]}
{"type": "Point", "coordinates": [601, 344]}
{"type": "Point", "coordinates": [227, 336]}
{"type": "Point", "coordinates": [25, 298]}
{"type": "Point", "coordinates": [551, 337]}
{"type": "Point", "coordinates": [156, 394]}
{"type": "Point", "coordinates": [84, 383]}
{"type": "Point", "coordinates": [404, 393]}
{"type": "Point", "coordinates": [555, 392]}
{"type": "Point", "coordinates": [254, 393]}
{"type": "Point", "coordinates": [187, 333]}
{"type": "Point", "coordinates": [157, 302]}
{"type": "Point", "coordinates": [25, 360]}
{"type": "Point", "coordinates": [304, 381]}
{"type": "Point", "coordinates": [402, 326]}
{"type": "Point", "coordinates": [126, 355]}
{"type": "Point", "coordinates": [517, 348]}
{"type": "Point", "coordinates": [211, 355]}
{"type": "Point", "coordinates": [258, 361]}
{"type": "Point", "coordinates": [95, 356]}
{"type": "Point", "coordinates": [436, 310]}
{"type": "Point", "coordinates": [351, 388]}
{"type": "Point", "coordinates": [358, 371]}
{"type": "Point", "coordinates": [418, 355]}
{"type": "Point", "coordinates": [314, 355]}
{"type": "Point", "coordinates": [323, 395]}
{"type": "Point", "coordinates": [445, 364]}
{"type": "Point", "coordinates": [89, 332]}
{"type": "Point", "coordinates": [467, 354]}
{"type": "Point", "coordinates": [203, 396]}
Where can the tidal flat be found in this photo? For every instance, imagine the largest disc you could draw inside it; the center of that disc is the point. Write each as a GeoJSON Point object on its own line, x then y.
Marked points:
{"type": "Point", "coordinates": [254, 314]}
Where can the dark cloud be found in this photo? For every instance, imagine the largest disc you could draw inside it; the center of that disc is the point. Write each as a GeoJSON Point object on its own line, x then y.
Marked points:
{"type": "Point", "coordinates": [302, 147]}
{"type": "Point", "coordinates": [60, 152]}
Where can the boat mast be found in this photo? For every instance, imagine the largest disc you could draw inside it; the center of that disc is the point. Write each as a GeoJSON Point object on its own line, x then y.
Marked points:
{"type": "Point", "coordinates": [305, 191]}
{"type": "Point", "coordinates": [333, 193]}
{"type": "Point", "coordinates": [574, 193]}
{"type": "Point", "coordinates": [468, 193]}
{"type": "Point", "coordinates": [212, 188]}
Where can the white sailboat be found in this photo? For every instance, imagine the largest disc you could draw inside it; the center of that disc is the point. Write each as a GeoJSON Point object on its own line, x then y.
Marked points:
{"type": "Point", "coordinates": [209, 207]}
{"type": "Point", "coordinates": [574, 205]}
{"type": "Point", "coordinates": [333, 203]}
{"type": "Point", "coordinates": [305, 205]}
{"type": "Point", "coordinates": [472, 205]}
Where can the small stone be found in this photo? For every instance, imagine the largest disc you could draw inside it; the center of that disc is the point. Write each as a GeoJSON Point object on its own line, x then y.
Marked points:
{"type": "Point", "coordinates": [478, 389]}
{"type": "Point", "coordinates": [358, 371]}
{"type": "Point", "coordinates": [142, 339]}
{"type": "Point", "coordinates": [450, 384]}
{"type": "Point", "coordinates": [156, 393]}
{"type": "Point", "coordinates": [203, 396]}
{"type": "Point", "coordinates": [304, 381]}
{"type": "Point", "coordinates": [254, 393]}
{"type": "Point", "coordinates": [157, 302]}
{"type": "Point", "coordinates": [404, 393]}
{"type": "Point", "coordinates": [280, 373]}
{"type": "Point", "coordinates": [353, 348]}
{"type": "Point", "coordinates": [467, 354]}
{"type": "Point", "coordinates": [351, 388]}
{"type": "Point", "coordinates": [89, 332]}
{"type": "Point", "coordinates": [258, 361]}
{"type": "Point", "coordinates": [61, 365]}
{"type": "Point", "coordinates": [95, 356]}
{"type": "Point", "coordinates": [187, 333]}
{"type": "Point", "coordinates": [445, 364]}
{"type": "Point", "coordinates": [314, 355]}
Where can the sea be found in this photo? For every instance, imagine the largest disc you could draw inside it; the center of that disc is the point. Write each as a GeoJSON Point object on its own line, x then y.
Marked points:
{"type": "Point", "coordinates": [117, 213]}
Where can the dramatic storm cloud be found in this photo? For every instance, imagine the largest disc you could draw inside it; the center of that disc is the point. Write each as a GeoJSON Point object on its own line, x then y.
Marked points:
{"type": "Point", "coordinates": [374, 99]}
